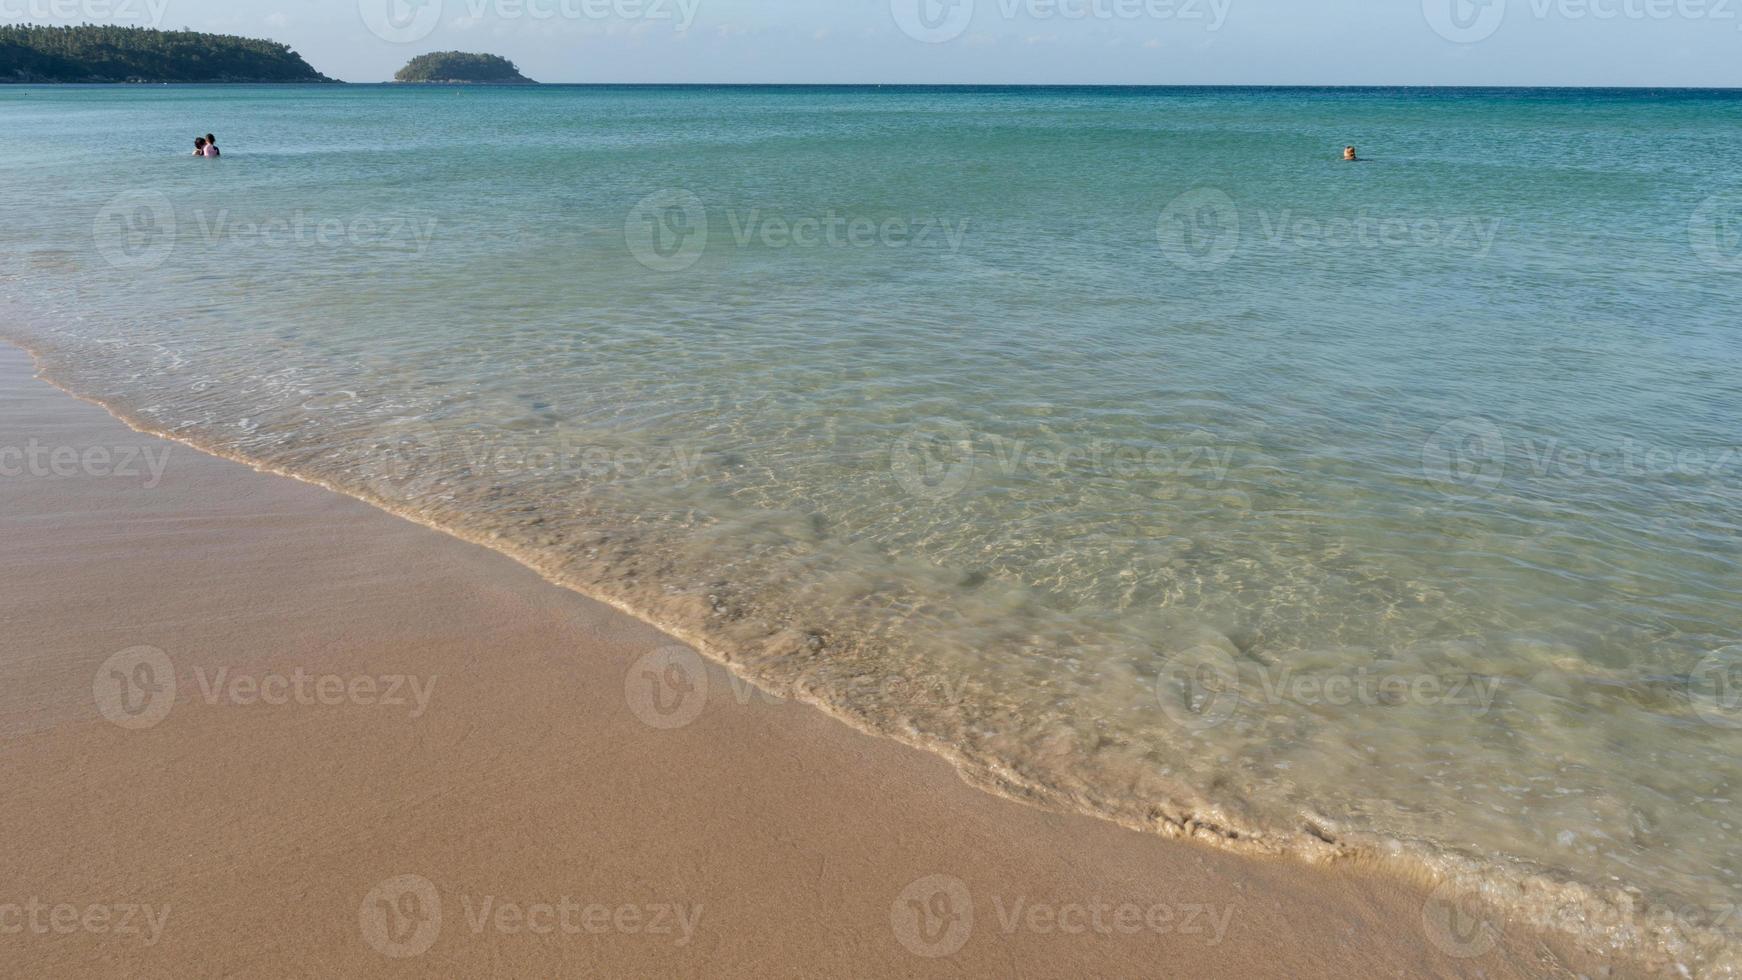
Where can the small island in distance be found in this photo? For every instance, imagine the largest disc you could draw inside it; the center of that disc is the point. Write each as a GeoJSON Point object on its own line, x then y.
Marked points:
{"type": "Point", "coordinates": [461, 68]}
{"type": "Point", "coordinates": [96, 54]}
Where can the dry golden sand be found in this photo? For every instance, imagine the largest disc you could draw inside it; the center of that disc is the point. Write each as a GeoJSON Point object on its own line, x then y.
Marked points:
{"type": "Point", "coordinates": [270, 839]}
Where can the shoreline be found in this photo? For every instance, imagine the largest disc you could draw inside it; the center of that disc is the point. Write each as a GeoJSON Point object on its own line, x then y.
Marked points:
{"type": "Point", "coordinates": [921, 780]}
{"type": "Point", "coordinates": [1653, 930]}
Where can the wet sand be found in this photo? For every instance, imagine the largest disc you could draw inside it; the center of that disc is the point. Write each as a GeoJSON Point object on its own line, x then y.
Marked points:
{"type": "Point", "coordinates": [388, 752]}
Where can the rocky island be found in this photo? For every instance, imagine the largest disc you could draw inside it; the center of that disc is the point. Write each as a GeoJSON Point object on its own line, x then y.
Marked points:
{"type": "Point", "coordinates": [461, 68]}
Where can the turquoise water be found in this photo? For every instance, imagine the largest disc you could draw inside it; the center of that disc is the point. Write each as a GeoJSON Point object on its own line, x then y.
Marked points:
{"type": "Point", "coordinates": [1122, 445]}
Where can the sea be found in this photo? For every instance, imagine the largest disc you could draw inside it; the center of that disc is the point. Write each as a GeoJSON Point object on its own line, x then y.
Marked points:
{"type": "Point", "coordinates": [1125, 446]}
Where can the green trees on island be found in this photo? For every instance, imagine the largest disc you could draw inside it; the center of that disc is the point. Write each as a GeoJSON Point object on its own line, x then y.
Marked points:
{"type": "Point", "coordinates": [460, 66]}
{"type": "Point", "coordinates": [96, 53]}
{"type": "Point", "coordinates": [93, 53]}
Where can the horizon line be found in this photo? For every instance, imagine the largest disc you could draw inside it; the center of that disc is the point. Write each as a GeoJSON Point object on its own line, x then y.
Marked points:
{"type": "Point", "coordinates": [1488, 86]}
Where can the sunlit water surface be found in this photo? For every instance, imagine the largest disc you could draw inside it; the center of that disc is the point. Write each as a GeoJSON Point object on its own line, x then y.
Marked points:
{"type": "Point", "coordinates": [1123, 445]}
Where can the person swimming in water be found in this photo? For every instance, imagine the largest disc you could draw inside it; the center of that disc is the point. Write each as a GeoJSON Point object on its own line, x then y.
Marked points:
{"type": "Point", "coordinates": [1349, 155]}
{"type": "Point", "coordinates": [199, 146]}
{"type": "Point", "coordinates": [212, 146]}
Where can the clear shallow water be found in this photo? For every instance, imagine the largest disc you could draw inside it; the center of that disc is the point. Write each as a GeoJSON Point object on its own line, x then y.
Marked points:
{"type": "Point", "coordinates": [1125, 446]}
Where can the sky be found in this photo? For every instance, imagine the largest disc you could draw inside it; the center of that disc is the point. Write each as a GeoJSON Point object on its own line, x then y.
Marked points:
{"type": "Point", "coordinates": [1159, 42]}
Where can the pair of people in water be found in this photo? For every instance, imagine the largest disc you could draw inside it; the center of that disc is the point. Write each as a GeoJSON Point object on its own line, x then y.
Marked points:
{"type": "Point", "coordinates": [206, 146]}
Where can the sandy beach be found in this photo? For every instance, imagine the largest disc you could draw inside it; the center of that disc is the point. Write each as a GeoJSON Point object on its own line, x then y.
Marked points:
{"type": "Point", "coordinates": [250, 727]}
